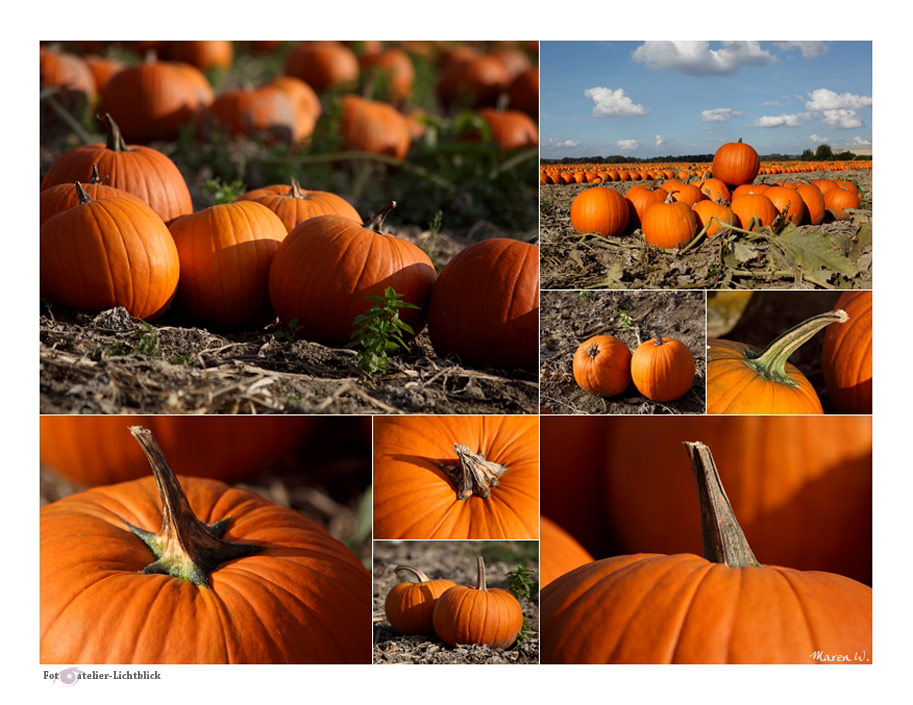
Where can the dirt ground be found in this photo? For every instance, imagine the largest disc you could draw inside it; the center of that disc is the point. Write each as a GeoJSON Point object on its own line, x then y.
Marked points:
{"type": "Point", "coordinates": [113, 364]}
{"type": "Point", "coordinates": [827, 256]}
{"type": "Point", "coordinates": [570, 317]}
{"type": "Point", "coordinates": [770, 313]}
{"type": "Point", "coordinates": [455, 560]}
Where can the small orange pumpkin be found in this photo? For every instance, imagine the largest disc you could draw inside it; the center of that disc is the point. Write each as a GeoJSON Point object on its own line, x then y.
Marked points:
{"type": "Point", "coordinates": [478, 614]}
{"type": "Point", "coordinates": [662, 368]}
{"type": "Point", "coordinates": [409, 605]}
{"type": "Point", "coordinates": [602, 366]}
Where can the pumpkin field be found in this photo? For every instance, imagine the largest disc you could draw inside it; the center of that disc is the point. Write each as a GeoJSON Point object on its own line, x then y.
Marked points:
{"type": "Point", "coordinates": [509, 566]}
{"type": "Point", "coordinates": [831, 250]}
{"type": "Point", "coordinates": [570, 318]}
{"type": "Point", "coordinates": [202, 158]}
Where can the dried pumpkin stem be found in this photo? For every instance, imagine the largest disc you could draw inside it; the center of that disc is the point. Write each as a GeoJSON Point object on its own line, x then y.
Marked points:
{"type": "Point", "coordinates": [481, 583]}
{"type": "Point", "coordinates": [377, 220]}
{"type": "Point", "coordinates": [771, 362]}
{"type": "Point", "coordinates": [657, 339]}
{"type": "Point", "coordinates": [114, 138]}
{"type": "Point", "coordinates": [472, 474]}
{"type": "Point", "coordinates": [81, 193]}
{"type": "Point", "coordinates": [419, 575]}
{"type": "Point", "coordinates": [185, 547]}
{"type": "Point", "coordinates": [724, 540]}
{"type": "Point", "coordinates": [296, 191]}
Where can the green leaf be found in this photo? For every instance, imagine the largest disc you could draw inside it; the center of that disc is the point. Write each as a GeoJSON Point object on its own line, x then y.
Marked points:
{"type": "Point", "coordinates": [813, 251]}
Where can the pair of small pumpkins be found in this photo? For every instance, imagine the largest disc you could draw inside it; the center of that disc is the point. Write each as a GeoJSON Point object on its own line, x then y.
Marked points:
{"type": "Point", "coordinates": [661, 368]}
{"type": "Point", "coordinates": [458, 614]}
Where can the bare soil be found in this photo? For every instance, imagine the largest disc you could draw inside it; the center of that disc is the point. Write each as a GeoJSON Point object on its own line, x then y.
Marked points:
{"type": "Point", "coordinates": [454, 560]}
{"type": "Point", "coordinates": [569, 317]}
{"type": "Point", "coordinates": [835, 254]}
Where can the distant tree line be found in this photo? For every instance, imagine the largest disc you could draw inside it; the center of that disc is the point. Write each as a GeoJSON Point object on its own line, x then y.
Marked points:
{"type": "Point", "coordinates": [822, 153]}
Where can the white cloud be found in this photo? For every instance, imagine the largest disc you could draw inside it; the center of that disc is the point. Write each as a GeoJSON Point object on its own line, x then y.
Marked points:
{"type": "Point", "coordinates": [824, 99]}
{"type": "Point", "coordinates": [771, 103]}
{"type": "Point", "coordinates": [552, 142]}
{"type": "Point", "coordinates": [720, 114]}
{"type": "Point", "coordinates": [660, 141]}
{"type": "Point", "coordinates": [818, 138]}
{"type": "Point", "coordinates": [698, 59]}
{"type": "Point", "coordinates": [627, 145]}
{"type": "Point", "coordinates": [612, 103]}
{"type": "Point", "coordinates": [841, 119]}
{"type": "Point", "coordinates": [784, 120]}
{"type": "Point", "coordinates": [861, 141]}
{"type": "Point", "coordinates": [810, 50]}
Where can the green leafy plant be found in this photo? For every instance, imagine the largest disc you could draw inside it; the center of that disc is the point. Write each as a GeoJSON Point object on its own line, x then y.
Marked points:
{"type": "Point", "coordinates": [149, 343]}
{"type": "Point", "coordinates": [221, 191]}
{"type": "Point", "coordinates": [289, 332]}
{"type": "Point", "coordinates": [521, 582]}
{"type": "Point", "coordinates": [624, 319]}
{"type": "Point", "coordinates": [380, 330]}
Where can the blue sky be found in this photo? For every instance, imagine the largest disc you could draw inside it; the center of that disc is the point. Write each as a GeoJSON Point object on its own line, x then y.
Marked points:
{"type": "Point", "coordinates": [647, 99]}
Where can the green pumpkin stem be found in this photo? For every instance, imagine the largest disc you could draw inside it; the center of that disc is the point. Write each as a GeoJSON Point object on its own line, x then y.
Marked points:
{"type": "Point", "coordinates": [377, 220]}
{"type": "Point", "coordinates": [419, 575]}
{"type": "Point", "coordinates": [472, 474]}
{"type": "Point", "coordinates": [724, 540]}
{"type": "Point", "coordinates": [185, 547]}
{"type": "Point", "coordinates": [771, 362]}
{"type": "Point", "coordinates": [114, 140]}
{"type": "Point", "coordinates": [81, 193]}
{"type": "Point", "coordinates": [481, 584]}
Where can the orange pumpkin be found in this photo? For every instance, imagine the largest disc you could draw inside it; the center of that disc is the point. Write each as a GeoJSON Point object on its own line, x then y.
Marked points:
{"type": "Point", "coordinates": [640, 198]}
{"type": "Point", "coordinates": [456, 477]}
{"type": "Point", "coordinates": [744, 380]}
{"type": "Point", "coordinates": [511, 129]}
{"type": "Point", "coordinates": [670, 224]}
{"type": "Point", "coordinates": [409, 605]}
{"type": "Point", "coordinates": [723, 608]}
{"type": "Point", "coordinates": [559, 552]}
{"type": "Point", "coordinates": [225, 252]}
{"type": "Point", "coordinates": [846, 357]}
{"type": "Point", "coordinates": [294, 204]}
{"type": "Point", "coordinates": [393, 69]}
{"type": "Point", "coordinates": [714, 217]}
{"type": "Point", "coordinates": [62, 197]}
{"type": "Point", "coordinates": [106, 253]}
{"type": "Point", "coordinates": [130, 574]}
{"type": "Point", "coordinates": [370, 126]}
{"type": "Point", "coordinates": [754, 210]}
{"type": "Point", "coordinates": [323, 65]}
{"type": "Point", "coordinates": [814, 202]}
{"type": "Point", "coordinates": [599, 210]}
{"type": "Point", "coordinates": [789, 203]}
{"type": "Point", "coordinates": [602, 366]}
{"type": "Point", "coordinates": [478, 614]}
{"type": "Point", "coordinates": [69, 74]}
{"type": "Point", "coordinates": [736, 163]}
{"type": "Point", "coordinates": [662, 369]}
{"type": "Point", "coordinates": [144, 172]}
{"type": "Point", "coordinates": [327, 268]}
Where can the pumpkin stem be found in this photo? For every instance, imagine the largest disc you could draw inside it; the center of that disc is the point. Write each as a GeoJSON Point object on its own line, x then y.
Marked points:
{"type": "Point", "coordinates": [185, 547]}
{"type": "Point", "coordinates": [296, 192]}
{"type": "Point", "coordinates": [96, 179]}
{"type": "Point", "coordinates": [593, 351]}
{"type": "Point", "coordinates": [724, 540]}
{"type": "Point", "coordinates": [658, 339]}
{"type": "Point", "coordinates": [472, 474]}
{"type": "Point", "coordinates": [114, 140]}
{"type": "Point", "coordinates": [81, 193]}
{"type": "Point", "coordinates": [377, 220]}
{"type": "Point", "coordinates": [419, 575]}
{"type": "Point", "coordinates": [771, 362]}
{"type": "Point", "coordinates": [480, 579]}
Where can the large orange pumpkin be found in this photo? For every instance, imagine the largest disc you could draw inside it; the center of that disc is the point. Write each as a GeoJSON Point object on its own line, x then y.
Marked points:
{"type": "Point", "coordinates": [294, 204]}
{"type": "Point", "coordinates": [662, 368]}
{"type": "Point", "coordinates": [142, 171]}
{"type": "Point", "coordinates": [264, 112]}
{"type": "Point", "coordinates": [62, 197]}
{"type": "Point", "coordinates": [754, 210]}
{"type": "Point", "coordinates": [371, 126]}
{"type": "Point", "coordinates": [69, 74]}
{"type": "Point", "coordinates": [106, 253]}
{"type": "Point", "coordinates": [97, 450]}
{"type": "Point", "coordinates": [744, 380]}
{"type": "Point", "coordinates": [130, 574]}
{"type": "Point", "coordinates": [670, 224]}
{"type": "Point", "coordinates": [456, 477]}
{"type": "Point", "coordinates": [327, 268]}
{"type": "Point", "coordinates": [802, 486]}
{"type": "Point", "coordinates": [485, 306]}
{"type": "Point", "coordinates": [736, 163]}
{"type": "Point", "coordinates": [846, 357]}
{"type": "Point", "coordinates": [225, 252]}
{"type": "Point", "coordinates": [477, 614]}
{"type": "Point", "coordinates": [723, 608]}
{"type": "Point", "coordinates": [559, 552]}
